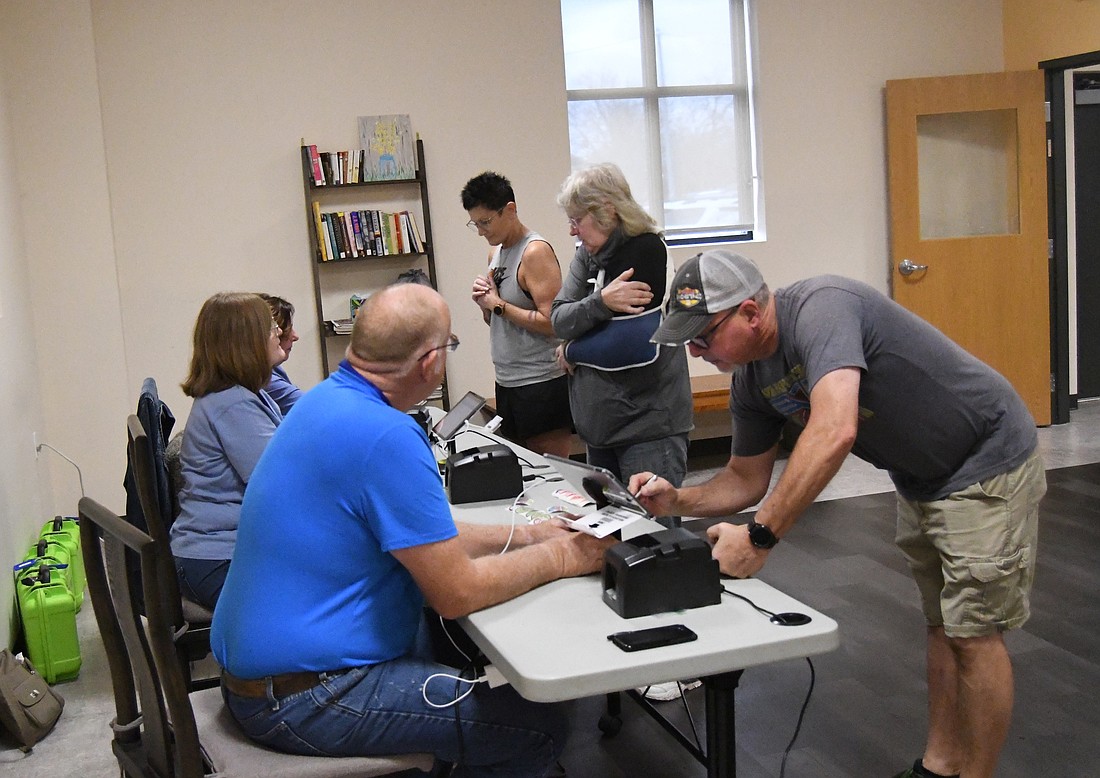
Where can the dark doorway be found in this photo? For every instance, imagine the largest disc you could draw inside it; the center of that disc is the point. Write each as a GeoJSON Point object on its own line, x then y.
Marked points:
{"type": "Point", "coordinates": [1086, 148]}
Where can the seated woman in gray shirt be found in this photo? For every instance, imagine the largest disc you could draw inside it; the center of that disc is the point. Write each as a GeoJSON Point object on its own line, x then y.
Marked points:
{"type": "Point", "coordinates": [236, 345]}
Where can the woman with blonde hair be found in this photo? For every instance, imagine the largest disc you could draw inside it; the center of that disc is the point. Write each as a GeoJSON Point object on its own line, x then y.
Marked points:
{"type": "Point", "coordinates": [235, 347]}
{"type": "Point", "coordinates": [631, 399]}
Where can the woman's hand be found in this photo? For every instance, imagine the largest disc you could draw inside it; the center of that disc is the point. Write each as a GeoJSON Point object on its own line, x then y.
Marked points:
{"type": "Point", "coordinates": [563, 363]}
{"type": "Point", "coordinates": [625, 296]}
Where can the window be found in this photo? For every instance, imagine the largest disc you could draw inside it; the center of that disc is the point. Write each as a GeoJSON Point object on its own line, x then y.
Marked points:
{"type": "Point", "coordinates": [662, 88]}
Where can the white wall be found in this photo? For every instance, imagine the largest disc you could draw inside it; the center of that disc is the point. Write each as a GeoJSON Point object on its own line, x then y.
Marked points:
{"type": "Point", "coordinates": [22, 481]}
{"type": "Point", "coordinates": [155, 148]}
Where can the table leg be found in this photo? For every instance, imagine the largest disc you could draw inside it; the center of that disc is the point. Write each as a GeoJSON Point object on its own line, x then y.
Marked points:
{"type": "Point", "coordinates": [721, 726]}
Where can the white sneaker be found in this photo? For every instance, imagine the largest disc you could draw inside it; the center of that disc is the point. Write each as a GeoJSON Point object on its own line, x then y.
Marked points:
{"type": "Point", "coordinates": [671, 690]}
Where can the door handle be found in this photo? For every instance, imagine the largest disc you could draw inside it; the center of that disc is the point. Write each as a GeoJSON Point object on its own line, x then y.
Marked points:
{"type": "Point", "coordinates": [907, 267]}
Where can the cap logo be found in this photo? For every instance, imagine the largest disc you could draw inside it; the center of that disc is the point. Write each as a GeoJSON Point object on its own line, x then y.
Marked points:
{"type": "Point", "coordinates": [688, 297]}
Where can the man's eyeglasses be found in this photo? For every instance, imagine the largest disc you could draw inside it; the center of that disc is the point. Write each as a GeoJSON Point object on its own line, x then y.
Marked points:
{"type": "Point", "coordinates": [702, 340]}
{"type": "Point", "coordinates": [450, 345]}
{"type": "Point", "coordinates": [483, 224]}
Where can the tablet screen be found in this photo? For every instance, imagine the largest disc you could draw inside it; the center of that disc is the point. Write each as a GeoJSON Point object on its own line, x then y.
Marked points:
{"type": "Point", "coordinates": [588, 478]}
{"type": "Point", "coordinates": [447, 427]}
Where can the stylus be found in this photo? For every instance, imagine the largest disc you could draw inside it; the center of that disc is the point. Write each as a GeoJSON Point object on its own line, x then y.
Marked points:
{"type": "Point", "coordinates": [652, 478]}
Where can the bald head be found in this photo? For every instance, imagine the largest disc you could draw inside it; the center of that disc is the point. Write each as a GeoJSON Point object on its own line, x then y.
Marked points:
{"type": "Point", "coordinates": [397, 324]}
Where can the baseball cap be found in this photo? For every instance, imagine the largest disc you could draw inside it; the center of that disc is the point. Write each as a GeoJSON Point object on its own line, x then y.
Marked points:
{"type": "Point", "coordinates": [704, 285]}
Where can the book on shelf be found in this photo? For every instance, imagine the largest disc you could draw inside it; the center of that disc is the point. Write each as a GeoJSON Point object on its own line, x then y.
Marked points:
{"type": "Point", "coordinates": [322, 239]}
{"type": "Point", "coordinates": [390, 147]}
{"type": "Point", "coordinates": [315, 163]}
{"type": "Point", "coordinates": [341, 326]}
{"type": "Point", "coordinates": [358, 230]}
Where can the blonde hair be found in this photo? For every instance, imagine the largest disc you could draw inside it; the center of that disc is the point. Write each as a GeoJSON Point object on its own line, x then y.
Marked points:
{"type": "Point", "coordinates": [230, 345]}
{"type": "Point", "coordinates": [593, 189]}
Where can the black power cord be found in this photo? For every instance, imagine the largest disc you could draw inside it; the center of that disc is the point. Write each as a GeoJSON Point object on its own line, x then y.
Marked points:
{"type": "Point", "coordinates": [786, 620]}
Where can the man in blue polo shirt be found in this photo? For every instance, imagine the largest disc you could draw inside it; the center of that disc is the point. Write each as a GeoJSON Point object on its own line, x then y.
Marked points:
{"type": "Point", "coordinates": [345, 533]}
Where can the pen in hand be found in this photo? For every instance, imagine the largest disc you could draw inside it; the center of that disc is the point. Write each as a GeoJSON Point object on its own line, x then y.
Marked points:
{"type": "Point", "coordinates": [652, 478]}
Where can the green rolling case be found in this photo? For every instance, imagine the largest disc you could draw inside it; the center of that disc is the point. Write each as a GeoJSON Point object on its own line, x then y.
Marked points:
{"type": "Point", "coordinates": [66, 531]}
{"type": "Point", "coordinates": [48, 611]}
{"type": "Point", "coordinates": [55, 554]}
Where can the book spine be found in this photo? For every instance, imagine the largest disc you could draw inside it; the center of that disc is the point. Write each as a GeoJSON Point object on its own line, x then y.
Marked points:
{"type": "Point", "coordinates": [358, 230]}
{"type": "Point", "coordinates": [416, 229]}
{"type": "Point", "coordinates": [338, 232]}
{"type": "Point", "coordinates": [322, 246]}
{"type": "Point", "coordinates": [315, 161]}
{"type": "Point", "coordinates": [410, 234]}
{"type": "Point", "coordinates": [398, 238]}
{"type": "Point", "coordinates": [326, 167]}
{"type": "Point", "coordinates": [349, 229]}
{"type": "Point", "coordinates": [368, 236]}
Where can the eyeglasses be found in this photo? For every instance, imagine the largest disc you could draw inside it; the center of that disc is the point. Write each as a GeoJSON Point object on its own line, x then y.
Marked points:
{"type": "Point", "coordinates": [483, 224]}
{"type": "Point", "coordinates": [702, 340]}
{"type": "Point", "coordinates": [450, 345]}
{"type": "Point", "coordinates": [575, 221]}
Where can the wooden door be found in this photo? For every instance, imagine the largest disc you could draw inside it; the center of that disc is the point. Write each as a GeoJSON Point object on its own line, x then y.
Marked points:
{"type": "Point", "coordinates": [968, 217]}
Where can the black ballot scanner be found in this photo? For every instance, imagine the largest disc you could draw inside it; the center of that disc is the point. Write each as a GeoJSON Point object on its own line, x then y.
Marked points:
{"type": "Point", "coordinates": [483, 473]}
{"type": "Point", "coordinates": [669, 570]}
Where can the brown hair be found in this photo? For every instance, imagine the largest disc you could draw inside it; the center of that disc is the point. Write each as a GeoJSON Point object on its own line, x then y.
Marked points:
{"type": "Point", "coordinates": [230, 345]}
{"type": "Point", "coordinates": [281, 311]}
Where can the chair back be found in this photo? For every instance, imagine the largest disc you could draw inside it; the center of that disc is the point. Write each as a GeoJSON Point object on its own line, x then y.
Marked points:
{"type": "Point", "coordinates": [191, 621]}
{"type": "Point", "coordinates": [158, 723]}
{"type": "Point", "coordinates": [145, 666]}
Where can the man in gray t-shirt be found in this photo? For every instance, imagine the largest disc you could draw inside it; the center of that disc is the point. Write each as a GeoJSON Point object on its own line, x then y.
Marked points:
{"type": "Point", "coordinates": [860, 374]}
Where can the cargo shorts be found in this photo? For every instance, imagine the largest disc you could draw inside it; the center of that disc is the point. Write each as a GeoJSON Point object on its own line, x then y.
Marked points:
{"type": "Point", "coordinates": [973, 552]}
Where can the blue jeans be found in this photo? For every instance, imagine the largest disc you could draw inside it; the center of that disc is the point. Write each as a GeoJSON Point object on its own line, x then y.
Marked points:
{"type": "Point", "coordinates": [201, 580]}
{"type": "Point", "coordinates": [380, 709]}
{"type": "Point", "coordinates": [667, 457]}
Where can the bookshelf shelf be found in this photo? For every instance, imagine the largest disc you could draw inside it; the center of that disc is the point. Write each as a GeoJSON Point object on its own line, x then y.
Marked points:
{"type": "Point", "coordinates": [337, 278]}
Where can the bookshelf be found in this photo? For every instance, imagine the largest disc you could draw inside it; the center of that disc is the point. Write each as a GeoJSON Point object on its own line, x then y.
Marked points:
{"type": "Point", "coordinates": [397, 214]}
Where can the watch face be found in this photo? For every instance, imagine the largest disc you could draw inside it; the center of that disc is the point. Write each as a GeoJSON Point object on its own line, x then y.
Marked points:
{"type": "Point", "coordinates": [760, 536]}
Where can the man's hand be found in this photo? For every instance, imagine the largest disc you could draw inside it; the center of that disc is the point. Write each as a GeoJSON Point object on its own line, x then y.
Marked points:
{"type": "Point", "coordinates": [582, 553]}
{"type": "Point", "coordinates": [625, 296]}
{"type": "Point", "coordinates": [736, 554]}
{"type": "Point", "coordinates": [655, 494]}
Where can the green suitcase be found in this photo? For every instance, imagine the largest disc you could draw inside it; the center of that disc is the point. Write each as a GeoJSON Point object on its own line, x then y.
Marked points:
{"type": "Point", "coordinates": [66, 531]}
{"type": "Point", "coordinates": [48, 612]}
{"type": "Point", "coordinates": [56, 554]}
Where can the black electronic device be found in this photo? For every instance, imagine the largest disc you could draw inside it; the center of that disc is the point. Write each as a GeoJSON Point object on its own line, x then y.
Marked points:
{"type": "Point", "coordinates": [483, 473]}
{"type": "Point", "coordinates": [446, 428]}
{"type": "Point", "coordinates": [669, 570]}
{"type": "Point", "coordinates": [599, 483]}
{"type": "Point", "coordinates": [654, 637]}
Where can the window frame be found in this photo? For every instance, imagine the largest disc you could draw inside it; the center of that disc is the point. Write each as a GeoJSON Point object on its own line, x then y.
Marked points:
{"type": "Point", "coordinates": [742, 38]}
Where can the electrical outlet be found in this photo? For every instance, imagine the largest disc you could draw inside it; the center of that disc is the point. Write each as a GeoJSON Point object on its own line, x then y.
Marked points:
{"type": "Point", "coordinates": [34, 435]}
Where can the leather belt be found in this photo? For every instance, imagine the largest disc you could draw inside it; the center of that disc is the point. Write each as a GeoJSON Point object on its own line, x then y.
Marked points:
{"type": "Point", "coordinates": [282, 685]}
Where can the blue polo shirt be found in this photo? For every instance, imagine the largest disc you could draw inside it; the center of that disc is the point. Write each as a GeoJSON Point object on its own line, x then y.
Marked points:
{"type": "Point", "coordinates": [345, 480]}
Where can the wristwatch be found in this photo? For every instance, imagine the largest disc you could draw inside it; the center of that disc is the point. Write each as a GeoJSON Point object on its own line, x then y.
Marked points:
{"type": "Point", "coordinates": [760, 536]}
{"type": "Point", "coordinates": [499, 309]}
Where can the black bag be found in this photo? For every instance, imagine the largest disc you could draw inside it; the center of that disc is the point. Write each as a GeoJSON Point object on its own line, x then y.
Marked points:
{"type": "Point", "coordinates": [29, 708]}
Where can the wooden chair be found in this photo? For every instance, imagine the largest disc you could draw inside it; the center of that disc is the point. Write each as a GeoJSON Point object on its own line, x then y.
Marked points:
{"type": "Point", "coordinates": [160, 729]}
{"type": "Point", "coordinates": [190, 620]}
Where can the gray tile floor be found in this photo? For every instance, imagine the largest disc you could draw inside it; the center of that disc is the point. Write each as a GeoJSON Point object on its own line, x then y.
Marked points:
{"type": "Point", "coordinates": [80, 745]}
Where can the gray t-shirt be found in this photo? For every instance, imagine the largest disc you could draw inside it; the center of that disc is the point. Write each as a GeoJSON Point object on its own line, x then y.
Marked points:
{"type": "Point", "coordinates": [933, 416]}
{"type": "Point", "coordinates": [521, 357]}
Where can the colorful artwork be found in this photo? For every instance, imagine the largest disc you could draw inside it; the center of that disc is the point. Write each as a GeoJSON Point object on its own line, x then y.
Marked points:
{"type": "Point", "coordinates": [390, 146]}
